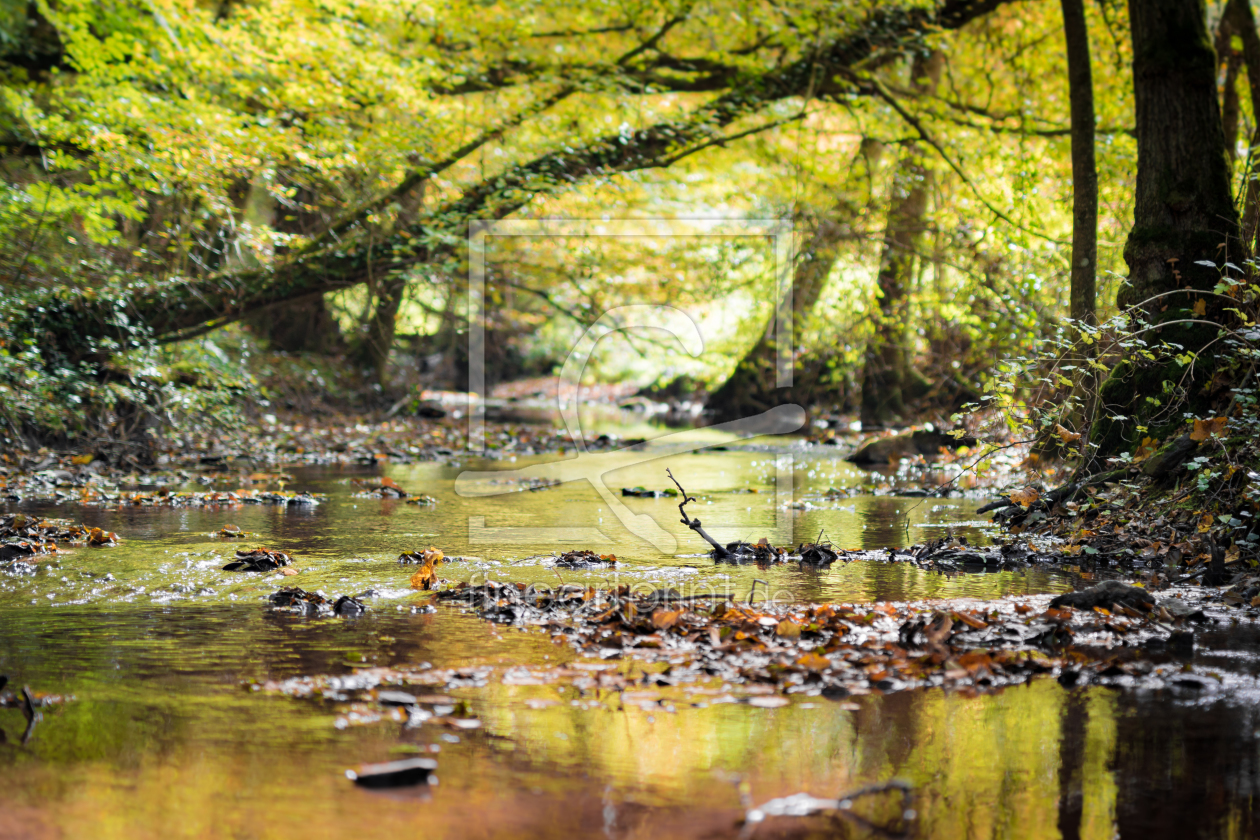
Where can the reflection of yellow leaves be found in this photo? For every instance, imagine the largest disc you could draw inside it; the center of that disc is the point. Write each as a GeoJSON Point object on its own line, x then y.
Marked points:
{"type": "Point", "coordinates": [1203, 429]}
{"type": "Point", "coordinates": [1067, 435]}
{"type": "Point", "coordinates": [1200, 307]}
{"type": "Point", "coordinates": [788, 628]}
{"type": "Point", "coordinates": [1024, 497]}
{"type": "Point", "coordinates": [1146, 449]}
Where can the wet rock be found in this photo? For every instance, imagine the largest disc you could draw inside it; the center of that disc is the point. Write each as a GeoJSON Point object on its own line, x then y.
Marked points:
{"type": "Point", "coordinates": [299, 600]}
{"type": "Point", "coordinates": [642, 493]}
{"type": "Point", "coordinates": [410, 771]}
{"type": "Point", "coordinates": [396, 698]}
{"type": "Point", "coordinates": [818, 554]}
{"type": "Point", "coordinates": [1106, 595]}
{"type": "Point", "coordinates": [1181, 641]}
{"type": "Point", "coordinates": [926, 442]}
{"type": "Point", "coordinates": [258, 560]}
{"type": "Point", "coordinates": [348, 607]}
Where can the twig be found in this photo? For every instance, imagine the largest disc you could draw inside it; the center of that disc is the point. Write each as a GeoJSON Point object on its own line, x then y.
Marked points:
{"type": "Point", "coordinates": [719, 550]}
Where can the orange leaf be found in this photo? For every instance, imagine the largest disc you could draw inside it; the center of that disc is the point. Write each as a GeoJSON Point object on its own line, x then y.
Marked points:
{"type": "Point", "coordinates": [788, 628]}
{"type": "Point", "coordinates": [1024, 497]}
{"type": "Point", "coordinates": [1203, 429]}
{"type": "Point", "coordinates": [665, 619]}
{"type": "Point", "coordinates": [1146, 449]}
{"type": "Point", "coordinates": [1200, 307]}
{"type": "Point", "coordinates": [814, 661]}
{"type": "Point", "coordinates": [1067, 435]}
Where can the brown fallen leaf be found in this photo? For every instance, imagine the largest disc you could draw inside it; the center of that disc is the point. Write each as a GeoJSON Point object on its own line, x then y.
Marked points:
{"type": "Point", "coordinates": [1200, 307]}
{"type": "Point", "coordinates": [1203, 429]}
{"type": "Point", "coordinates": [1024, 498]}
{"type": "Point", "coordinates": [1145, 449]}
{"type": "Point", "coordinates": [788, 629]}
{"type": "Point", "coordinates": [665, 619]}
{"type": "Point", "coordinates": [814, 661]}
{"type": "Point", "coordinates": [426, 576]}
{"type": "Point", "coordinates": [1067, 435]}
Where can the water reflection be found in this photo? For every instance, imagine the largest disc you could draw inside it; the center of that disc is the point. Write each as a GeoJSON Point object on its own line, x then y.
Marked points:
{"type": "Point", "coordinates": [164, 742]}
{"type": "Point", "coordinates": [348, 544]}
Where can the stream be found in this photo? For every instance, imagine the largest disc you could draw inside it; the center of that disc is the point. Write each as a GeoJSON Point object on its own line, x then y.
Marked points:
{"type": "Point", "coordinates": [167, 738]}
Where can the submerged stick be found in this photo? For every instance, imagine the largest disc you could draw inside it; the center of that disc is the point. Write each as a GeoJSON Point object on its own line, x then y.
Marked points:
{"type": "Point", "coordinates": [719, 550]}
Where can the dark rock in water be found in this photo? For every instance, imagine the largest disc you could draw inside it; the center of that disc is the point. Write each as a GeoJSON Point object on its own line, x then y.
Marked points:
{"type": "Point", "coordinates": [348, 607]}
{"type": "Point", "coordinates": [1181, 641]}
{"type": "Point", "coordinates": [919, 442]}
{"type": "Point", "coordinates": [1106, 595]}
{"type": "Point", "coordinates": [410, 771]}
{"type": "Point", "coordinates": [4, 680]}
{"type": "Point", "coordinates": [818, 554]}
{"type": "Point", "coordinates": [395, 698]}
{"type": "Point", "coordinates": [258, 560]}
{"type": "Point", "coordinates": [294, 598]}
{"type": "Point", "coordinates": [642, 493]}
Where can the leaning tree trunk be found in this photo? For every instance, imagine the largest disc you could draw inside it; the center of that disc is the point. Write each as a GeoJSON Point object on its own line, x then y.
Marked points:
{"type": "Point", "coordinates": [1183, 215]}
{"type": "Point", "coordinates": [887, 374]}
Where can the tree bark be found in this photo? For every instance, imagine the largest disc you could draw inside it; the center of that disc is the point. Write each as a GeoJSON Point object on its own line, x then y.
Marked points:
{"type": "Point", "coordinates": [1243, 23]}
{"type": "Point", "coordinates": [887, 372]}
{"type": "Point", "coordinates": [1084, 173]}
{"type": "Point", "coordinates": [1183, 214]}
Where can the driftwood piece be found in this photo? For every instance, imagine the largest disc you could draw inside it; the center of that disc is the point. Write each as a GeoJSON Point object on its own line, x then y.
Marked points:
{"type": "Point", "coordinates": [719, 551]}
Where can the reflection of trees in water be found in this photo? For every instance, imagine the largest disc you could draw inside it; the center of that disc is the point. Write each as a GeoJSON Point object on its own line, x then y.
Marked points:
{"type": "Point", "coordinates": [1186, 770]}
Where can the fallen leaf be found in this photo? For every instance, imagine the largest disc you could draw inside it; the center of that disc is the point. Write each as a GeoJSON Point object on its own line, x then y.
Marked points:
{"type": "Point", "coordinates": [82, 460]}
{"type": "Point", "coordinates": [1200, 307]}
{"type": "Point", "coordinates": [814, 661]}
{"type": "Point", "coordinates": [1203, 429]}
{"type": "Point", "coordinates": [1024, 498]}
{"type": "Point", "coordinates": [665, 619]}
{"type": "Point", "coordinates": [1067, 435]}
{"type": "Point", "coordinates": [788, 629]}
{"type": "Point", "coordinates": [1145, 449]}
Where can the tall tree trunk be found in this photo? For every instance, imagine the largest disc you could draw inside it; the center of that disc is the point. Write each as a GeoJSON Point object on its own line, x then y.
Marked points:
{"type": "Point", "coordinates": [887, 372]}
{"type": "Point", "coordinates": [378, 339]}
{"type": "Point", "coordinates": [1243, 24]}
{"type": "Point", "coordinates": [1183, 214]}
{"type": "Point", "coordinates": [1084, 173]}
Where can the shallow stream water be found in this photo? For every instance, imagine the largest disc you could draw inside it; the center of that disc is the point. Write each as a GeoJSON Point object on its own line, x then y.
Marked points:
{"type": "Point", "coordinates": [158, 645]}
